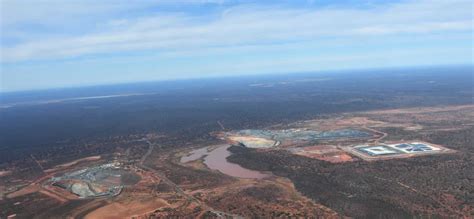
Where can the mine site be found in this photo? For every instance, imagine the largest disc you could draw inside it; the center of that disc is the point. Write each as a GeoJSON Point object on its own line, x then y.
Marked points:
{"type": "Point", "coordinates": [223, 177]}
{"type": "Point", "coordinates": [236, 109]}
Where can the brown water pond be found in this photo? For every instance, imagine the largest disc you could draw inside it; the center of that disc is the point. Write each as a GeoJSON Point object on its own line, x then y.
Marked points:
{"type": "Point", "coordinates": [216, 160]}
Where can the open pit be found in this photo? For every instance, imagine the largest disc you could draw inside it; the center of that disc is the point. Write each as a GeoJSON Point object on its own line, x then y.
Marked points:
{"type": "Point", "coordinates": [99, 181]}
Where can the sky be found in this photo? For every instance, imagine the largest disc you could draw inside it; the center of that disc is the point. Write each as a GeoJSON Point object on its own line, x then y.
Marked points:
{"type": "Point", "coordinates": [64, 43]}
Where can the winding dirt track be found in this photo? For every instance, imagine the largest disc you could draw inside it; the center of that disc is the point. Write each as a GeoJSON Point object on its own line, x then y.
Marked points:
{"type": "Point", "coordinates": [378, 132]}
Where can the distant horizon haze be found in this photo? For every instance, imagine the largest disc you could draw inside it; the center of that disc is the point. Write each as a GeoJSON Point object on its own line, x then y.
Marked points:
{"type": "Point", "coordinates": [233, 76]}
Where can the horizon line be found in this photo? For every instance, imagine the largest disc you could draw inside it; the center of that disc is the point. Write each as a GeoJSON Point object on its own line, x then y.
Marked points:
{"type": "Point", "coordinates": [340, 70]}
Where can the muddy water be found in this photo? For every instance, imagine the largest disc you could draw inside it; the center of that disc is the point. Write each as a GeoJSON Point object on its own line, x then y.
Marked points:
{"type": "Point", "coordinates": [216, 160]}
{"type": "Point", "coordinates": [194, 155]}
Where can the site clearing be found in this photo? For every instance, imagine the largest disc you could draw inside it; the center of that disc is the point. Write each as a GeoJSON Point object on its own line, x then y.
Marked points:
{"type": "Point", "coordinates": [339, 153]}
{"type": "Point", "coordinates": [332, 145]}
{"type": "Point", "coordinates": [285, 138]}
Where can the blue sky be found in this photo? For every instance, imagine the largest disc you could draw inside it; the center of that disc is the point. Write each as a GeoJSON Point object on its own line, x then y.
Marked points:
{"type": "Point", "coordinates": [57, 43]}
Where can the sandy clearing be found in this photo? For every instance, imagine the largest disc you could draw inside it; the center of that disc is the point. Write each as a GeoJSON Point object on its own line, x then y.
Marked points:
{"type": "Point", "coordinates": [127, 209]}
{"type": "Point", "coordinates": [24, 191]}
{"type": "Point", "coordinates": [53, 195]}
{"type": "Point", "coordinates": [422, 109]}
{"type": "Point", "coordinates": [253, 142]}
{"type": "Point", "coordinates": [4, 172]}
{"type": "Point", "coordinates": [91, 158]}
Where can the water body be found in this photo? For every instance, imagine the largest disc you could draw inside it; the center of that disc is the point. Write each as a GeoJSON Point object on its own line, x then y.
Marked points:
{"type": "Point", "coordinates": [194, 155]}
{"type": "Point", "coordinates": [216, 160]}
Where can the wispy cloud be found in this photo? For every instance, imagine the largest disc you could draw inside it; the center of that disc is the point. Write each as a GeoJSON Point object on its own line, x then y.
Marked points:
{"type": "Point", "coordinates": [236, 26]}
{"type": "Point", "coordinates": [55, 43]}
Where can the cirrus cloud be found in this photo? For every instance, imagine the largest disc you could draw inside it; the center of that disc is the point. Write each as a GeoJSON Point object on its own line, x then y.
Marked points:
{"type": "Point", "coordinates": [232, 26]}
